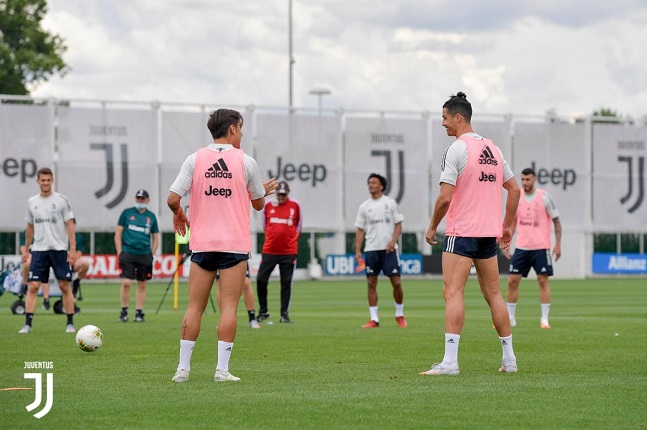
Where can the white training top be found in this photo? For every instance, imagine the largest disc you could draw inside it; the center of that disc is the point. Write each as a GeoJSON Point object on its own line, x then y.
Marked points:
{"type": "Point", "coordinates": [378, 217]}
{"type": "Point", "coordinates": [48, 216]}
{"type": "Point", "coordinates": [454, 162]}
{"type": "Point", "coordinates": [182, 184]}
{"type": "Point", "coordinates": [549, 205]}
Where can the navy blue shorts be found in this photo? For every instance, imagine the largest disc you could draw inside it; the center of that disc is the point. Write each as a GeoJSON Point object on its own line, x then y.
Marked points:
{"type": "Point", "coordinates": [472, 247]}
{"type": "Point", "coordinates": [246, 273]}
{"type": "Point", "coordinates": [388, 263]}
{"type": "Point", "coordinates": [41, 261]}
{"type": "Point", "coordinates": [213, 261]}
{"type": "Point", "coordinates": [539, 259]}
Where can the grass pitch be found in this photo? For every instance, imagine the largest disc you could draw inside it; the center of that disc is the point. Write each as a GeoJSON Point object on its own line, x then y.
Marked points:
{"type": "Point", "coordinates": [323, 371]}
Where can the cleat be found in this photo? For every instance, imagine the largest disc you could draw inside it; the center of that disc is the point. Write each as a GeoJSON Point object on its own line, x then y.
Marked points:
{"type": "Point", "coordinates": [181, 376]}
{"type": "Point", "coordinates": [513, 322]}
{"type": "Point", "coordinates": [262, 316]}
{"type": "Point", "coordinates": [402, 322]}
{"type": "Point", "coordinates": [25, 329]}
{"type": "Point", "coordinates": [371, 324]}
{"type": "Point", "coordinates": [254, 324]}
{"type": "Point", "coordinates": [224, 376]}
{"type": "Point", "coordinates": [509, 365]}
{"type": "Point", "coordinates": [70, 328]}
{"type": "Point", "coordinates": [544, 324]}
{"type": "Point", "coordinates": [285, 319]}
{"type": "Point", "coordinates": [139, 318]}
{"type": "Point", "coordinates": [441, 369]}
{"type": "Point", "coordinates": [46, 304]}
{"type": "Point", "coordinates": [123, 317]}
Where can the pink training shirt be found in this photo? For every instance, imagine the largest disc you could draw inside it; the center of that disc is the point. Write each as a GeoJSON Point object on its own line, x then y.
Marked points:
{"type": "Point", "coordinates": [533, 223]}
{"type": "Point", "coordinates": [220, 203]}
{"type": "Point", "coordinates": [475, 209]}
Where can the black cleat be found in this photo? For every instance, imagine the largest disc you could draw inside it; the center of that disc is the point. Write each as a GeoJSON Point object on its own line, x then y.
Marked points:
{"type": "Point", "coordinates": [123, 317]}
{"type": "Point", "coordinates": [139, 318]}
{"type": "Point", "coordinates": [285, 318]}
{"type": "Point", "coordinates": [262, 316]}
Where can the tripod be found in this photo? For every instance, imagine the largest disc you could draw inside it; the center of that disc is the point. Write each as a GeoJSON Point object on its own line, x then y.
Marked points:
{"type": "Point", "coordinates": [186, 255]}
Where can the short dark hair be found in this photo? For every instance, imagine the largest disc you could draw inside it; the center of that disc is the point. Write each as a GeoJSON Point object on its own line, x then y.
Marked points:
{"type": "Point", "coordinates": [458, 104]}
{"type": "Point", "coordinates": [220, 120]}
{"type": "Point", "coordinates": [44, 171]}
{"type": "Point", "coordinates": [380, 178]}
{"type": "Point", "coordinates": [528, 171]}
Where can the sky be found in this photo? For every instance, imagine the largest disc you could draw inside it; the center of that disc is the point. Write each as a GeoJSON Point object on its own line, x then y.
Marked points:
{"type": "Point", "coordinates": [509, 57]}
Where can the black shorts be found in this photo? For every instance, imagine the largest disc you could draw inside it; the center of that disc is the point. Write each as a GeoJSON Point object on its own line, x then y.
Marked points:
{"type": "Point", "coordinates": [41, 261]}
{"type": "Point", "coordinates": [539, 259]}
{"type": "Point", "coordinates": [138, 267]}
{"type": "Point", "coordinates": [213, 261]}
{"type": "Point", "coordinates": [387, 262]}
{"type": "Point", "coordinates": [246, 273]}
{"type": "Point", "coordinates": [471, 247]}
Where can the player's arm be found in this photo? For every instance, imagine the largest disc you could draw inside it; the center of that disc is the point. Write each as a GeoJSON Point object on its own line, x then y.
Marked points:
{"type": "Point", "coordinates": [397, 231]}
{"type": "Point", "coordinates": [557, 251]}
{"type": "Point", "coordinates": [180, 221]}
{"type": "Point", "coordinates": [156, 241]}
{"type": "Point", "coordinates": [29, 236]}
{"type": "Point", "coordinates": [440, 210]}
{"type": "Point", "coordinates": [118, 232]}
{"type": "Point", "coordinates": [359, 239]}
{"type": "Point", "coordinates": [511, 203]}
{"type": "Point", "coordinates": [71, 235]}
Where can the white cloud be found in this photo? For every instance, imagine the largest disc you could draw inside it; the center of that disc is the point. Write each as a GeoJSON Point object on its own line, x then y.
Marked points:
{"type": "Point", "coordinates": [411, 55]}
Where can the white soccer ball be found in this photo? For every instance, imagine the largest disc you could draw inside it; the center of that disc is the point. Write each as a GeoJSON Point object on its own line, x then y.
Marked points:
{"type": "Point", "coordinates": [89, 338]}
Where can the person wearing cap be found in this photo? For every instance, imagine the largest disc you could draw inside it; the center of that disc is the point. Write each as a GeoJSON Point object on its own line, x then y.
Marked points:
{"type": "Point", "coordinates": [282, 225]}
{"type": "Point", "coordinates": [379, 221]}
{"type": "Point", "coordinates": [136, 240]}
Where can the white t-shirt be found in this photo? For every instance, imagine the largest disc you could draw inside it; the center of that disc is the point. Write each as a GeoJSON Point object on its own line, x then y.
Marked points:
{"type": "Point", "coordinates": [378, 217]}
{"type": "Point", "coordinates": [454, 162]}
{"type": "Point", "coordinates": [549, 205]}
{"type": "Point", "coordinates": [48, 216]}
{"type": "Point", "coordinates": [255, 188]}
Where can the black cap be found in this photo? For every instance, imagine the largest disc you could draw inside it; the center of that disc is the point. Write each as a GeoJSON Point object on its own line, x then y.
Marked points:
{"type": "Point", "coordinates": [141, 193]}
{"type": "Point", "coordinates": [283, 188]}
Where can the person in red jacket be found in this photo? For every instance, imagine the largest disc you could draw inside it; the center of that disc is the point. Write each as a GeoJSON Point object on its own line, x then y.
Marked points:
{"type": "Point", "coordinates": [282, 225]}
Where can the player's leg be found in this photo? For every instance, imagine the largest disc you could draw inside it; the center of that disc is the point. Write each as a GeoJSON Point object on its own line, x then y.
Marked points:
{"type": "Point", "coordinates": [391, 269]}
{"type": "Point", "coordinates": [544, 298]}
{"type": "Point", "coordinates": [519, 268]}
{"type": "Point", "coordinates": [127, 272]}
{"type": "Point", "coordinates": [248, 297]}
{"type": "Point", "coordinates": [232, 281]}
{"type": "Point", "coordinates": [144, 273]}
{"type": "Point", "coordinates": [287, 263]}
{"type": "Point", "coordinates": [268, 262]}
{"type": "Point", "coordinates": [63, 273]}
{"type": "Point", "coordinates": [44, 288]}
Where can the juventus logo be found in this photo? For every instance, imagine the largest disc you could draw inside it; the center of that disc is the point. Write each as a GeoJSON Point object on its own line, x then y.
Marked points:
{"type": "Point", "coordinates": [389, 171]}
{"type": "Point", "coordinates": [630, 186]}
{"type": "Point", "coordinates": [38, 377]}
{"type": "Point", "coordinates": [110, 175]}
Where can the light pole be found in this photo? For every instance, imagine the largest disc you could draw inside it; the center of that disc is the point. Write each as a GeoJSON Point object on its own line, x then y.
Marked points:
{"type": "Point", "coordinates": [320, 92]}
{"type": "Point", "coordinates": [314, 268]}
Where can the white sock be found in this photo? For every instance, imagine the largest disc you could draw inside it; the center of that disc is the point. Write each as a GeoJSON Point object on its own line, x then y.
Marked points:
{"type": "Point", "coordinates": [512, 307]}
{"type": "Point", "coordinates": [373, 311]}
{"type": "Point", "coordinates": [451, 349]}
{"type": "Point", "coordinates": [545, 310]}
{"type": "Point", "coordinates": [506, 343]}
{"type": "Point", "coordinates": [186, 349]}
{"type": "Point", "coordinates": [224, 353]}
{"type": "Point", "coordinates": [399, 310]}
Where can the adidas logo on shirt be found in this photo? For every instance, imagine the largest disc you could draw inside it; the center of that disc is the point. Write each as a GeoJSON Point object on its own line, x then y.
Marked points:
{"type": "Point", "coordinates": [487, 157]}
{"type": "Point", "coordinates": [218, 170]}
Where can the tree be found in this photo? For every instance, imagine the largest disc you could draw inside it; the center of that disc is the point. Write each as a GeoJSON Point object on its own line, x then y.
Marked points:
{"type": "Point", "coordinates": [606, 115]}
{"type": "Point", "coordinates": [28, 53]}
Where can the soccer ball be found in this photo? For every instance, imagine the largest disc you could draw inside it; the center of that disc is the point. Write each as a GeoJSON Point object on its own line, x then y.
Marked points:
{"type": "Point", "coordinates": [89, 338]}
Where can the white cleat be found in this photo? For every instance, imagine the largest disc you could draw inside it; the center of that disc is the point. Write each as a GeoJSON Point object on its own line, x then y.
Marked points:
{"type": "Point", "coordinates": [25, 329]}
{"type": "Point", "coordinates": [254, 324]}
{"type": "Point", "coordinates": [70, 329]}
{"type": "Point", "coordinates": [224, 376]}
{"type": "Point", "coordinates": [441, 369]}
{"type": "Point", "coordinates": [513, 322]}
{"type": "Point", "coordinates": [509, 365]}
{"type": "Point", "coordinates": [181, 376]}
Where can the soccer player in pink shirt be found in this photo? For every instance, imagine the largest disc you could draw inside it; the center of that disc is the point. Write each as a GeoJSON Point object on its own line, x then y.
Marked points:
{"type": "Point", "coordinates": [473, 173]}
{"type": "Point", "coordinates": [534, 214]}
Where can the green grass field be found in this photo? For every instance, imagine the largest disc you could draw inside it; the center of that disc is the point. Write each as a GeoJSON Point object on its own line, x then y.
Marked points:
{"type": "Point", "coordinates": [589, 371]}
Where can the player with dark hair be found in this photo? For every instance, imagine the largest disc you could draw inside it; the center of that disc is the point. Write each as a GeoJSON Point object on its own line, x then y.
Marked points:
{"type": "Point", "coordinates": [379, 221]}
{"type": "Point", "coordinates": [473, 173]}
{"type": "Point", "coordinates": [221, 181]}
{"type": "Point", "coordinates": [532, 221]}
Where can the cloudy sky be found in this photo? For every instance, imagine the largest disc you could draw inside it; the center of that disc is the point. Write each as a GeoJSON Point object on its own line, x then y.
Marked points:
{"type": "Point", "coordinates": [520, 57]}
